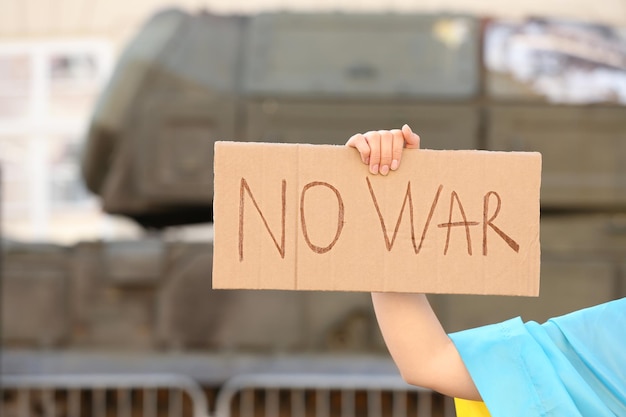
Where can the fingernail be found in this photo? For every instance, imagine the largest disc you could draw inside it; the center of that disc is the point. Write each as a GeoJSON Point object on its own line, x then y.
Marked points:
{"type": "Point", "coordinates": [384, 169]}
{"type": "Point", "coordinates": [367, 160]}
{"type": "Point", "coordinates": [374, 169]}
{"type": "Point", "coordinates": [394, 164]}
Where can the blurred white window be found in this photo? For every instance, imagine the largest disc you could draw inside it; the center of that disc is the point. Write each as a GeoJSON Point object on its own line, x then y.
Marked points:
{"type": "Point", "coordinates": [47, 92]}
{"type": "Point", "coordinates": [15, 76]}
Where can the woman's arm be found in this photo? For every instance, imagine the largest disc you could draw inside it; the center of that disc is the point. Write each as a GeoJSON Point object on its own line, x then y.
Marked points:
{"type": "Point", "coordinates": [420, 347]}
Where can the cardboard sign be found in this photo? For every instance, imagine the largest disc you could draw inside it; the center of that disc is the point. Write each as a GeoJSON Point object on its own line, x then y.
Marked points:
{"type": "Point", "coordinates": [312, 217]}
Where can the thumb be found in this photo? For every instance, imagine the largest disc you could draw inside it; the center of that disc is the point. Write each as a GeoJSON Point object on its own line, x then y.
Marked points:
{"type": "Point", "coordinates": [411, 139]}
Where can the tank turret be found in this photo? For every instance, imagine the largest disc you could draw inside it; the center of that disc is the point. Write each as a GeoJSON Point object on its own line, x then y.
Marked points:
{"type": "Point", "coordinates": [185, 81]}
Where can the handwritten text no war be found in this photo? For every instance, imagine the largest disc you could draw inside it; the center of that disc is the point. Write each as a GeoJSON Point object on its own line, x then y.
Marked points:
{"type": "Point", "coordinates": [485, 226]}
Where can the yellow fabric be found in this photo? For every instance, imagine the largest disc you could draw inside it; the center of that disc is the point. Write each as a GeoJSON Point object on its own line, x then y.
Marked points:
{"type": "Point", "coordinates": [467, 408]}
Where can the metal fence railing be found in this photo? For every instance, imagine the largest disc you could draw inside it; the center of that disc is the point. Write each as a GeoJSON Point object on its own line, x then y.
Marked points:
{"type": "Point", "coordinates": [328, 395]}
{"type": "Point", "coordinates": [101, 396]}
{"type": "Point", "coordinates": [245, 395]}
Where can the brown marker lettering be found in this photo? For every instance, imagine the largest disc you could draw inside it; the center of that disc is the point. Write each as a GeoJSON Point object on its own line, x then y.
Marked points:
{"type": "Point", "coordinates": [244, 187]}
{"type": "Point", "coordinates": [429, 218]}
{"type": "Point", "coordinates": [407, 197]}
{"type": "Point", "coordinates": [464, 223]}
{"type": "Point", "coordinates": [489, 222]}
{"type": "Point", "coordinates": [315, 248]}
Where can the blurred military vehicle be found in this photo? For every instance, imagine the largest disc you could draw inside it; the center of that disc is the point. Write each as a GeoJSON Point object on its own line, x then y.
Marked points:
{"type": "Point", "coordinates": [186, 81]}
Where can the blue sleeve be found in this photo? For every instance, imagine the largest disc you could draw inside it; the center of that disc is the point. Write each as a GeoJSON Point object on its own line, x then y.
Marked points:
{"type": "Point", "coordinates": [574, 365]}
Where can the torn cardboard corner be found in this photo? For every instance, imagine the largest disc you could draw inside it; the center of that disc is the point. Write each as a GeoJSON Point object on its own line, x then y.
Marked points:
{"type": "Point", "coordinates": [311, 217]}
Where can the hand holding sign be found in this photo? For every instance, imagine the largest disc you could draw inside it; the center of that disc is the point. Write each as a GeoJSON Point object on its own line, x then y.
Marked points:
{"type": "Point", "coordinates": [305, 217]}
{"type": "Point", "coordinates": [382, 149]}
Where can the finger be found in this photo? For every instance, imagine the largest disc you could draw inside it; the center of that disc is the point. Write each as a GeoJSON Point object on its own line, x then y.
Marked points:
{"type": "Point", "coordinates": [359, 142]}
{"type": "Point", "coordinates": [398, 145]}
{"type": "Point", "coordinates": [411, 139]}
{"type": "Point", "coordinates": [386, 150]}
{"type": "Point", "coordinates": [373, 140]}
